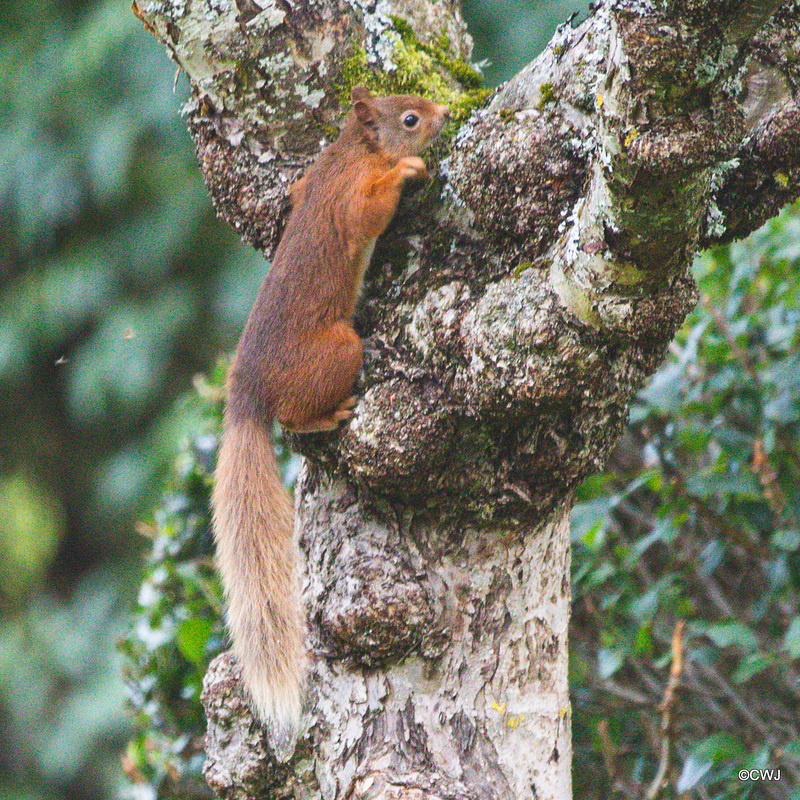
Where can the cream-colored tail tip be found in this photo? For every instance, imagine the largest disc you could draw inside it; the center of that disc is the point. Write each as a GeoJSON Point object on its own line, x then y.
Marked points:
{"type": "Point", "coordinates": [281, 716]}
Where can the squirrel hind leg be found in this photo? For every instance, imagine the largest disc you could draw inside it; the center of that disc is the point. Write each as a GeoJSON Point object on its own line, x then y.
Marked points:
{"type": "Point", "coordinates": [328, 423]}
{"type": "Point", "coordinates": [322, 384]}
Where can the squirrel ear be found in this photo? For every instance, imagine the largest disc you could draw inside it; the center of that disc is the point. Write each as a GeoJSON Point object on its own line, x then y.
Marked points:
{"type": "Point", "coordinates": [360, 93]}
{"type": "Point", "coordinates": [365, 114]}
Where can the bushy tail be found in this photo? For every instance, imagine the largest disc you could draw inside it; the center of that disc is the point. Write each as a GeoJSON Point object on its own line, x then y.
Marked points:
{"type": "Point", "coordinates": [258, 561]}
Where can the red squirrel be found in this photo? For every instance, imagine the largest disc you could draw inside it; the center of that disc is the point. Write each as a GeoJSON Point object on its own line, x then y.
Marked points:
{"type": "Point", "coordinates": [296, 362]}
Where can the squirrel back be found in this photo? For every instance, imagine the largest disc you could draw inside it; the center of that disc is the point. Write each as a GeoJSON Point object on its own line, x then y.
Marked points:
{"type": "Point", "coordinates": [296, 362]}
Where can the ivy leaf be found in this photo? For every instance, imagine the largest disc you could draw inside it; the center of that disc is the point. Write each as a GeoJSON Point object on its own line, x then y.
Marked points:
{"type": "Point", "coordinates": [751, 665]}
{"type": "Point", "coordinates": [791, 641]}
{"type": "Point", "coordinates": [708, 482]}
{"type": "Point", "coordinates": [664, 390]}
{"type": "Point", "coordinates": [710, 751]}
{"type": "Point", "coordinates": [692, 772]}
{"type": "Point", "coordinates": [733, 633]}
{"type": "Point", "coordinates": [608, 662]}
{"type": "Point", "coordinates": [786, 540]}
{"type": "Point", "coordinates": [192, 637]}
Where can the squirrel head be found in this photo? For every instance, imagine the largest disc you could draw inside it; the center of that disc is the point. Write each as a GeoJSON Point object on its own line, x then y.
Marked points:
{"type": "Point", "coordinates": [399, 125]}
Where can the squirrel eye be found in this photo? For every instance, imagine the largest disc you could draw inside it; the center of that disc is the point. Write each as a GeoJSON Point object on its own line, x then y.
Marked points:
{"type": "Point", "coordinates": [410, 120]}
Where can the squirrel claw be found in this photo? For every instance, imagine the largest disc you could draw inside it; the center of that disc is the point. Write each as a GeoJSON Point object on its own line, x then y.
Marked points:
{"type": "Point", "coordinates": [329, 423]}
{"type": "Point", "coordinates": [345, 410]}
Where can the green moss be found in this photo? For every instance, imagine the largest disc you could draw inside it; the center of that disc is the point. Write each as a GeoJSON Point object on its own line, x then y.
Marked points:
{"type": "Point", "coordinates": [403, 27]}
{"type": "Point", "coordinates": [506, 114]}
{"type": "Point", "coordinates": [546, 95]}
{"type": "Point", "coordinates": [354, 71]}
{"type": "Point", "coordinates": [465, 74]}
{"type": "Point", "coordinates": [522, 267]}
{"type": "Point", "coordinates": [330, 131]}
{"type": "Point", "coordinates": [425, 69]}
{"type": "Point", "coordinates": [468, 102]}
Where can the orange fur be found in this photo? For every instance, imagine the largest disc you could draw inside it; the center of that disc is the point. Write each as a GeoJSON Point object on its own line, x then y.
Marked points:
{"type": "Point", "coordinates": [297, 361]}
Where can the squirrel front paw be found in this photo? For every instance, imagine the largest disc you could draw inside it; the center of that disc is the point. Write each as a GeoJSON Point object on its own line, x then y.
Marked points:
{"type": "Point", "coordinates": [413, 167]}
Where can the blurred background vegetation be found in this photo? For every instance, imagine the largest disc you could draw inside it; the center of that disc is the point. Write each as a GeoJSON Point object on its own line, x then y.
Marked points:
{"type": "Point", "coordinates": [118, 285]}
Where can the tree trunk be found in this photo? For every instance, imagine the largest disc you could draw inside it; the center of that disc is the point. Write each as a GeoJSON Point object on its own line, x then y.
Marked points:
{"type": "Point", "coordinates": [510, 314]}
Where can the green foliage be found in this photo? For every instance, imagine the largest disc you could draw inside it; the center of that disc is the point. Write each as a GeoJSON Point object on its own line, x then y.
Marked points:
{"type": "Point", "coordinates": [109, 247]}
{"type": "Point", "coordinates": [61, 695]}
{"type": "Point", "coordinates": [31, 526]}
{"type": "Point", "coordinates": [115, 288]}
{"type": "Point", "coordinates": [699, 522]}
{"type": "Point", "coordinates": [177, 627]}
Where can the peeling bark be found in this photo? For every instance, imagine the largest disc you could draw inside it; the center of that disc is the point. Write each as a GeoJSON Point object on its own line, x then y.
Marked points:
{"type": "Point", "coordinates": [510, 314]}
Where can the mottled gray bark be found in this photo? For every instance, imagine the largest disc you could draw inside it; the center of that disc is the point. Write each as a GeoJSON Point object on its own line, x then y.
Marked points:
{"type": "Point", "coordinates": [511, 312]}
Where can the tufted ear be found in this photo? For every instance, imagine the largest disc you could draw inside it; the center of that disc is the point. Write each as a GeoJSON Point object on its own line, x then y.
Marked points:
{"type": "Point", "coordinates": [360, 93]}
{"type": "Point", "coordinates": [365, 111]}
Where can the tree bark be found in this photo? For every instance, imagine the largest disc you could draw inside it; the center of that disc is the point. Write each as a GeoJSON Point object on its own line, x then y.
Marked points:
{"type": "Point", "coordinates": [510, 314]}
